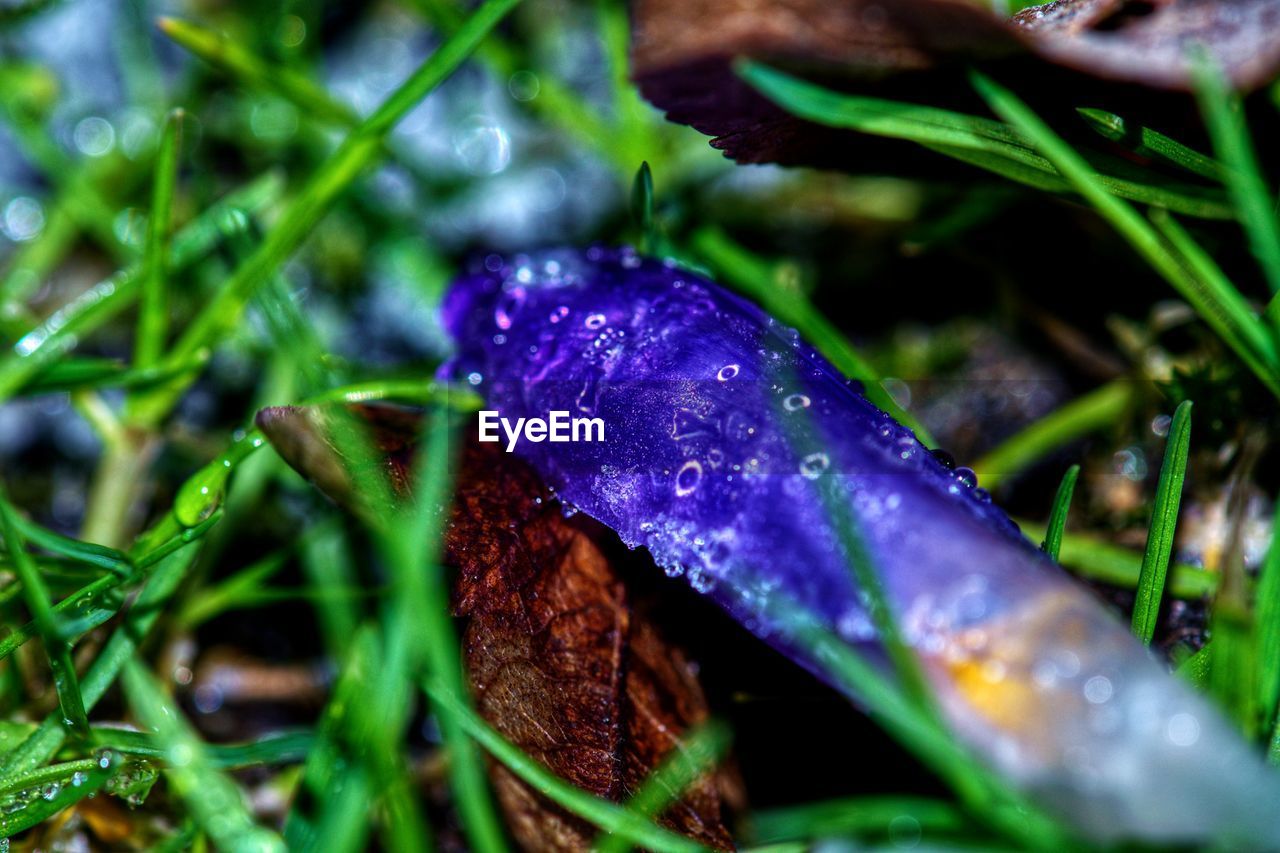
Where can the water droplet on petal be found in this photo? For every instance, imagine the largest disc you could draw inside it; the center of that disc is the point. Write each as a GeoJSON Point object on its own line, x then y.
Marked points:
{"type": "Point", "coordinates": [812, 466]}
{"type": "Point", "coordinates": [688, 477]}
{"type": "Point", "coordinates": [795, 401]}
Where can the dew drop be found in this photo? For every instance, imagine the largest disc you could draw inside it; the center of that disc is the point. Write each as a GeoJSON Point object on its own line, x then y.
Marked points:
{"type": "Point", "coordinates": [688, 477]}
{"type": "Point", "coordinates": [594, 321]}
{"type": "Point", "coordinates": [948, 461]}
{"type": "Point", "coordinates": [727, 372]}
{"type": "Point", "coordinates": [812, 466]}
{"type": "Point", "coordinates": [967, 476]}
{"type": "Point", "coordinates": [795, 401]}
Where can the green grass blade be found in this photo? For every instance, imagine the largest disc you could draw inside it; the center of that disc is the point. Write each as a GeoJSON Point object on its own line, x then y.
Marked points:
{"type": "Point", "coordinates": [1126, 221]}
{"type": "Point", "coordinates": [36, 596]}
{"type": "Point", "coordinates": [869, 818]}
{"type": "Point", "coordinates": [276, 748]}
{"type": "Point", "coordinates": [45, 741]}
{"type": "Point", "coordinates": [993, 145]}
{"type": "Point", "coordinates": [642, 207]}
{"type": "Point", "coordinates": [1255, 207]}
{"type": "Point", "coordinates": [116, 562]}
{"type": "Point", "coordinates": [422, 581]}
{"type": "Point", "coordinates": [61, 331]}
{"type": "Point", "coordinates": [153, 307]}
{"type": "Point", "coordinates": [1103, 561]}
{"type": "Point", "coordinates": [1267, 622]}
{"type": "Point", "coordinates": [1058, 517]}
{"type": "Point", "coordinates": [361, 149]}
{"type": "Point", "coordinates": [1216, 299]}
{"type": "Point", "coordinates": [327, 562]}
{"type": "Point", "coordinates": [1164, 520]}
{"type": "Point", "coordinates": [76, 613]}
{"type": "Point", "coordinates": [210, 796]}
{"type": "Point", "coordinates": [1098, 409]}
{"type": "Point", "coordinates": [34, 797]}
{"type": "Point", "coordinates": [1150, 143]}
{"type": "Point", "coordinates": [230, 593]}
{"type": "Point", "coordinates": [694, 756]}
{"type": "Point", "coordinates": [253, 71]}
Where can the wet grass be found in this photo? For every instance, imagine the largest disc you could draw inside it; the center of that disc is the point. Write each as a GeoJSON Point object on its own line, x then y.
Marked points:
{"type": "Point", "coordinates": [208, 277]}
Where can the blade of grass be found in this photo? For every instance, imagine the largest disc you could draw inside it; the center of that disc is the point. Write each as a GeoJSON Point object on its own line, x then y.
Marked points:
{"type": "Point", "coordinates": [424, 590]}
{"type": "Point", "coordinates": [57, 649]}
{"type": "Point", "coordinates": [1164, 520]}
{"type": "Point", "coordinates": [1216, 299]}
{"type": "Point", "coordinates": [210, 796]}
{"type": "Point", "coordinates": [32, 798]}
{"type": "Point", "coordinates": [642, 207]}
{"type": "Point", "coordinates": [951, 131]}
{"type": "Point", "coordinates": [276, 748]}
{"type": "Point", "coordinates": [1146, 142]}
{"type": "Point", "coordinates": [45, 741]}
{"type": "Point", "coordinates": [1234, 668]}
{"type": "Point", "coordinates": [693, 756]}
{"type": "Point", "coordinates": [253, 71]}
{"type": "Point", "coordinates": [1267, 621]}
{"type": "Point", "coordinates": [327, 563]}
{"type": "Point", "coordinates": [1123, 218]}
{"type": "Point", "coordinates": [1102, 561]}
{"type": "Point", "coordinates": [231, 592]}
{"type": "Point", "coordinates": [1255, 207]}
{"type": "Point", "coordinates": [65, 327]}
{"type": "Point", "coordinates": [863, 817]}
{"type": "Point", "coordinates": [97, 374]}
{"type": "Point", "coordinates": [357, 152]}
{"type": "Point", "coordinates": [153, 307]}
{"type": "Point", "coordinates": [1100, 408]}
{"type": "Point", "coordinates": [1058, 517]}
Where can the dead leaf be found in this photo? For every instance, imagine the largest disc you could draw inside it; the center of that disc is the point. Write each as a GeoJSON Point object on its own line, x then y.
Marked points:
{"type": "Point", "coordinates": [559, 661]}
{"type": "Point", "coordinates": [682, 51]}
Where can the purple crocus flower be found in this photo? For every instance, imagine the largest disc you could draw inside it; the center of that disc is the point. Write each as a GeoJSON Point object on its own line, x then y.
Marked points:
{"type": "Point", "coordinates": [726, 437]}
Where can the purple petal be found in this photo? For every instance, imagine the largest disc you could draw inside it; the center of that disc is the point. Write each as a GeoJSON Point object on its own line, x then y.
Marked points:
{"type": "Point", "coordinates": [724, 431]}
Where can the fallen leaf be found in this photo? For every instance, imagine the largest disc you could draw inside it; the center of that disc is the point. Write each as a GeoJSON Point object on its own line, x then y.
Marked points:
{"type": "Point", "coordinates": [559, 661]}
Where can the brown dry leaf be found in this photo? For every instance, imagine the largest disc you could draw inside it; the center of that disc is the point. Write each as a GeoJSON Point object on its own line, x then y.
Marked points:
{"type": "Point", "coordinates": [682, 52]}
{"type": "Point", "coordinates": [558, 660]}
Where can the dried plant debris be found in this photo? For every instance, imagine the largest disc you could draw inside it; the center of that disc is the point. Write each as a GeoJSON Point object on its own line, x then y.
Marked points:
{"type": "Point", "coordinates": [559, 661]}
{"type": "Point", "coordinates": [682, 54]}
